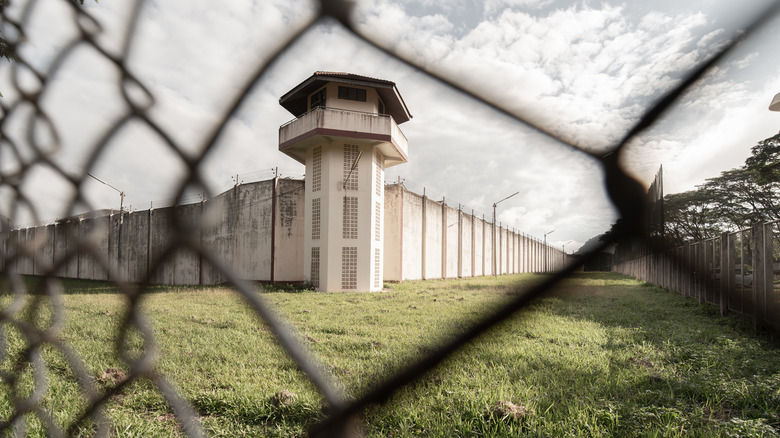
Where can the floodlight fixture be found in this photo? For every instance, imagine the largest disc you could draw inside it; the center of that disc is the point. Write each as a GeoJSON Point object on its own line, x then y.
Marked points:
{"type": "Point", "coordinates": [775, 105]}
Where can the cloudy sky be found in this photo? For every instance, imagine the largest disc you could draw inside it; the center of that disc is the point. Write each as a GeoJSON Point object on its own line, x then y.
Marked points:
{"type": "Point", "coordinates": [585, 71]}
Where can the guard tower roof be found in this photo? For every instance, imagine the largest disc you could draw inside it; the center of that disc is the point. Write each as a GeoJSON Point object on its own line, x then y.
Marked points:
{"type": "Point", "coordinates": [295, 100]}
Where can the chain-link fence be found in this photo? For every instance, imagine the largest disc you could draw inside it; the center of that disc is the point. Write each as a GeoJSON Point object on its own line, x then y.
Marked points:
{"type": "Point", "coordinates": [40, 139]}
{"type": "Point", "coordinates": [739, 272]}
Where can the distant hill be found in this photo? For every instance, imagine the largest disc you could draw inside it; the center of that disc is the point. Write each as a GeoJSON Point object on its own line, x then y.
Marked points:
{"type": "Point", "coordinates": [603, 260]}
{"type": "Point", "coordinates": [590, 245]}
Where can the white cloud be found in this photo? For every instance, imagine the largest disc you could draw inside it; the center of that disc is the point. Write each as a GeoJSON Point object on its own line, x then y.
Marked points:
{"type": "Point", "coordinates": [583, 72]}
{"type": "Point", "coordinates": [715, 124]}
{"type": "Point", "coordinates": [576, 71]}
{"type": "Point", "coordinates": [493, 7]}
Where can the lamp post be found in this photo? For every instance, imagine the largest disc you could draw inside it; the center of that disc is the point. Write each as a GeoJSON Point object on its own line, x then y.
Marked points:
{"type": "Point", "coordinates": [546, 253]}
{"type": "Point", "coordinates": [121, 195]}
{"type": "Point", "coordinates": [121, 219]}
{"type": "Point", "coordinates": [352, 169]}
{"type": "Point", "coordinates": [563, 250]}
{"type": "Point", "coordinates": [495, 274]}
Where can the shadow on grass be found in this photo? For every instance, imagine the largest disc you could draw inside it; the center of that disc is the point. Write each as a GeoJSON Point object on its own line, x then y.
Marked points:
{"type": "Point", "coordinates": [673, 364]}
{"type": "Point", "coordinates": [35, 285]}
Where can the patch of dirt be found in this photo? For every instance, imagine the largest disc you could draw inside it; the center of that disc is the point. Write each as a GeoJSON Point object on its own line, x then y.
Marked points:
{"type": "Point", "coordinates": [112, 376]}
{"type": "Point", "coordinates": [641, 362]}
{"type": "Point", "coordinates": [166, 417]}
{"type": "Point", "coordinates": [340, 371]}
{"type": "Point", "coordinates": [206, 321]}
{"type": "Point", "coordinates": [509, 410]}
{"type": "Point", "coordinates": [283, 398]}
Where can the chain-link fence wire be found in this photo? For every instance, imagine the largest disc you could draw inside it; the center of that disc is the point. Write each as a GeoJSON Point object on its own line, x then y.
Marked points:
{"type": "Point", "coordinates": [31, 85]}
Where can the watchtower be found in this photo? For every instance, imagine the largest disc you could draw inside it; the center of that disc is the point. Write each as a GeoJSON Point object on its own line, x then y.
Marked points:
{"type": "Point", "coordinates": [346, 134]}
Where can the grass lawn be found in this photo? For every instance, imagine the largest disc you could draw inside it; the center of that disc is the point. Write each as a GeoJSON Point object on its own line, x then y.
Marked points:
{"type": "Point", "coordinates": [602, 355]}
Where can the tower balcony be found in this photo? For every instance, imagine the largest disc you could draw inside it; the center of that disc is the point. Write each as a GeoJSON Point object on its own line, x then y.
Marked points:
{"type": "Point", "coordinates": [333, 124]}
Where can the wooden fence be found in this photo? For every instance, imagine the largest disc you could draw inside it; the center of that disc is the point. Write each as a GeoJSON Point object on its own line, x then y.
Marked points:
{"type": "Point", "coordinates": [739, 272]}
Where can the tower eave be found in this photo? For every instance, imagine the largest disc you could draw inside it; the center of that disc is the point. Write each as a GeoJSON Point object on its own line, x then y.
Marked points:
{"type": "Point", "coordinates": [296, 100]}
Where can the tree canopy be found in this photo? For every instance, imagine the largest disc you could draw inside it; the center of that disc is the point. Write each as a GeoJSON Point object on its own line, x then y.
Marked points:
{"type": "Point", "coordinates": [736, 199]}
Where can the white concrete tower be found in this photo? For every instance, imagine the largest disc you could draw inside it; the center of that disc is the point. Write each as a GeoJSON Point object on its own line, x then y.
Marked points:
{"type": "Point", "coordinates": [346, 133]}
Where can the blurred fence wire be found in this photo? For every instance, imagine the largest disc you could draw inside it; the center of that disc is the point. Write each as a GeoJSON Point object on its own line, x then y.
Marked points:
{"type": "Point", "coordinates": [35, 148]}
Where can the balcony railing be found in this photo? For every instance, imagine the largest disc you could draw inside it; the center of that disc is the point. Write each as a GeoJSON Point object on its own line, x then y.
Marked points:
{"type": "Point", "coordinates": [335, 119]}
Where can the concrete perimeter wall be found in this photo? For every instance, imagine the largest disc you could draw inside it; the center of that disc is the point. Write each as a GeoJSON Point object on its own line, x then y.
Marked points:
{"type": "Point", "coordinates": [256, 231]}
{"type": "Point", "coordinates": [427, 239]}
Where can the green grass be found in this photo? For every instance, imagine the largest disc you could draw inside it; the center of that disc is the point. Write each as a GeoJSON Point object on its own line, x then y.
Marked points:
{"type": "Point", "coordinates": [601, 355]}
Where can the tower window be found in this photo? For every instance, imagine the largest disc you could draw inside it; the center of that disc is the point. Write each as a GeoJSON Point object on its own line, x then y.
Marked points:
{"type": "Point", "coordinates": [349, 93]}
{"type": "Point", "coordinates": [315, 218]}
{"type": "Point", "coordinates": [316, 171]}
{"type": "Point", "coordinates": [350, 220]}
{"type": "Point", "coordinates": [349, 267]}
{"type": "Point", "coordinates": [317, 99]}
{"type": "Point", "coordinates": [377, 268]}
{"type": "Point", "coordinates": [350, 176]}
{"type": "Point", "coordinates": [378, 222]}
{"type": "Point", "coordinates": [378, 176]}
{"type": "Point", "coordinates": [315, 266]}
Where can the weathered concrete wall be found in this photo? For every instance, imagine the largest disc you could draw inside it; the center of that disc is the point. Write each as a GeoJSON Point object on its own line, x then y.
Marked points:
{"type": "Point", "coordinates": [218, 217]}
{"type": "Point", "coordinates": [452, 247]}
{"type": "Point", "coordinates": [441, 241]}
{"type": "Point", "coordinates": [432, 239]}
{"type": "Point", "coordinates": [412, 236]}
{"type": "Point", "coordinates": [161, 233]}
{"type": "Point", "coordinates": [394, 231]}
{"type": "Point", "coordinates": [508, 256]}
{"type": "Point", "coordinates": [71, 231]}
{"type": "Point", "coordinates": [500, 250]}
{"type": "Point", "coordinates": [44, 247]}
{"type": "Point", "coordinates": [238, 232]}
{"type": "Point", "coordinates": [479, 246]}
{"type": "Point", "coordinates": [257, 230]}
{"type": "Point", "coordinates": [288, 242]}
{"type": "Point", "coordinates": [466, 239]}
{"type": "Point", "coordinates": [25, 245]}
{"type": "Point", "coordinates": [507, 248]}
{"type": "Point", "coordinates": [186, 263]}
{"type": "Point", "coordinates": [489, 249]}
{"type": "Point", "coordinates": [134, 246]}
{"type": "Point", "coordinates": [250, 226]}
{"type": "Point", "coordinates": [94, 232]}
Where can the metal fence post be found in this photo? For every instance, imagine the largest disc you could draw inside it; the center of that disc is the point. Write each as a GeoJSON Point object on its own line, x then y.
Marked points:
{"type": "Point", "coordinates": [443, 238]}
{"type": "Point", "coordinates": [725, 255]}
{"type": "Point", "coordinates": [424, 236]}
{"type": "Point", "coordinates": [765, 299]}
{"type": "Point", "coordinates": [759, 261]}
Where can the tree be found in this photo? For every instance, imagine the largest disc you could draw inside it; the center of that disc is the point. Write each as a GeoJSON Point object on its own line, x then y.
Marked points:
{"type": "Point", "coordinates": [737, 199]}
{"type": "Point", "coordinates": [742, 199]}
{"type": "Point", "coordinates": [765, 161]}
{"type": "Point", "coordinates": [690, 216]}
